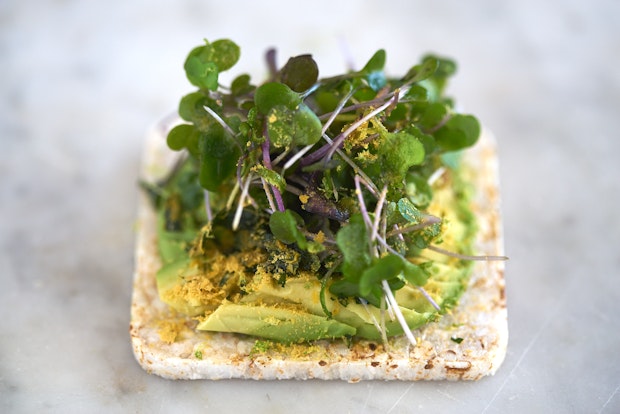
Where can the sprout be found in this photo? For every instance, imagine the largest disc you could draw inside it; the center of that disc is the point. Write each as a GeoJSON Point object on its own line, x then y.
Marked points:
{"type": "Point", "coordinates": [340, 171]}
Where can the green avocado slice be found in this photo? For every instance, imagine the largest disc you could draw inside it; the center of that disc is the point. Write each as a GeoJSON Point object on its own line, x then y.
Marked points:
{"type": "Point", "coordinates": [275, 323]}
{"type": "Point", "coordinates": [172, 277]}
{"type": "Point", "coordinates": [302, 290]}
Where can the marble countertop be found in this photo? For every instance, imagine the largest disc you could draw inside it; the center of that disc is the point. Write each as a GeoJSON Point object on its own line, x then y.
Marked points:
{"type": "Point", "coordinates": [81, 82]}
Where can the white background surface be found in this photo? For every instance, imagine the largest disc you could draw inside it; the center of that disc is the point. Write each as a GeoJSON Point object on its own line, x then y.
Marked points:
{"type": "Point", "coordinates": [80, 82]}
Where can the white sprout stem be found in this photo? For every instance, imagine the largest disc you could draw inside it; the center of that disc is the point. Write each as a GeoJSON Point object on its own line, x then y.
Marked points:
{"type": "Point", "coordinates": [426, 221]}
{"type": "Point", "coordinates": [429, 298]}
{"type": "Point", "coordinates": [310, 90]}
{"type": "Point", "coordinates": [399, 315]}
{"type": "Point", "coordinates": [372, 187]}
{"type": "Point", "coordinates": [390, 311]}
{"type": "Point", "coordinates": [398, 233]}
{"type": "Point", "coordinates": [373, 319]}
{"type": "Point", "coordinates": [389, 248]}
{"type": "Point", "coordinates": [233, 195]}
{"type": "Point", "coordinates": [436, 175]}
{"type": "Point", "coordinates": [280, 157]}
{"type": "Point", "coordinates": [359, 123]}
{"type": "Point", "coordinates": [337, 111]}
{"type": "Point", "coordinates": [219, 120]}
{"type": "Point", "coordinates": [270, 200]}
{"type": "Point", "coordinates": [296, 157]}
{"type": "Point", "coordinates": [207, 198]}
{"type": "Point", "coordinates": [293, 190]}
{"type": "Point", "coordinates": [383, 329]}
{"type": "Point", "coordinates": [466, 256]}
{"type": "Point", "coordinates": [424, 293]}
{"type": "Point", "coordinates": [360, 199]}
{"type": "Point", "coordinates": [377, 220]}
{"type": "Point", "coordinates": [242, 197]}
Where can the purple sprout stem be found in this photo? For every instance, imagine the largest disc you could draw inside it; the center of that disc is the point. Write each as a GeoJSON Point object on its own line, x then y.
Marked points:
{"type": "Point", "coordinates": [267, 163]}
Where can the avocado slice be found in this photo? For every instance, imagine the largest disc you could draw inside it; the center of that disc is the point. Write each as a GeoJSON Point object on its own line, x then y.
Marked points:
{"type": "Point", "coordinates": [174, 282]}
{"type": "Point", "coordinates": [282, 324]}
{"type": "Point", "coordinates": [303, 291]}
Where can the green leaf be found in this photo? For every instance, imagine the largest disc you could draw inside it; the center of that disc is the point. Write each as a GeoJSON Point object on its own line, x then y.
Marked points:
{"type": "Point", "coordinates": [376, 62]}
{"type": "Point", "coordinates": [385, 268]}
{"type": "Point", "coordinates": [433, 116]}
{"type": "Point", "coordinates": [204, 63]}
{"type": "Point", "coordinates": [399, 152]}
{"type": "Point", "coordinates": [203, 74]}
{"type": "Point", "coordinates": [225, 53]}
{"type": "Point", "coordinates": [218, 157]}
{"type": "Point", "coordinates": [179, 136]}
{"type": "Point", "coordinates": [191, 107]}
{"type": "Point", "coordinates": [409, 211]}
{"type": "Point", "coordinates": [417, 93]}
{"type": "Point", "coordinates": [280, 126]}
{"type": "Point", "coordinates": [352, 240]}
{"type": "Point", "coordinates": [241, 85]}
{"type": "Point", "coordinates": [300, 126]}
{"type": "Point", "coordinates": [345, 288]}
{"type": "Point", "coordinates": [418, 190]}
{"type": "Point", "coordinates": [445, 69]}
{"type": "Point", "coordinates": [271, 176]}
{"type": "Point", "coordinates": [272, 94]}
{"type": "Point", "coordinates": [284, 227]}
{"type": "Point", "coordinates": [300, 73]}
{"type": "Point", "coordinates": [422, 71]}
{"type": "Point", "coordinates": [459, 132]}
{"type": "Point", "coordinates": [374, 70]}
{"type": "Point", "coordinates": [414, 274]}
{"type": "Point", "coordinates": [427, 140]}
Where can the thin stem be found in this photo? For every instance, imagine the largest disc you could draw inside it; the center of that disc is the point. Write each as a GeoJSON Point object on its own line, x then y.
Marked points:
{"type": "Point", "coordinates": [374, 320]}
{"type": "Point", "coordinates": [424, 293]}
{"type": "Point", "coordinates": [267, 162]}
{"type": "Point", "coordinates": [327, 151]}
{"type": "Point", "coordinates": [278, 197]}
{"type": "Point", "coordinates": [341, 137]}
{"type": "Point", "coordinates": [360, 199]}
{"type": "Point", "coordinates": [401, 92]}
{"type": "Point", "coordinates": [280, 157]}
{"type": "Point", "coordinates": [220, 121]}
{"type": "Point", "coordinates": [242, 197]}
{"type": "Point", "coordinates": [428, 298]}
{"type": "Point", "coordinates": [372, 187]}
{"type": "Point", "coordinates": [399, 315]}
{"type": "Point", "coordinates": [378, 209]}
{"type": "Point", "coordinates": [272, 204]}
{"type": "Point", "coordinates": [208, 210]}
{"type": "Point", "coordinates": [310, 90]}
{"type": "Point", "coordinates": [465, 256]}
{"type": "Point", "coordinates": [336, 111]}
{"type": "Point", "coordinates": [426, 222]}
{"type": "Point", "coordinates": [383, 330]}
{"type": "Point", "coordinates": [233, 194]}
{"type": "Point", "coordinates": [436, 175]}
{"type": "Point", "coordinates": [292, 189]}
{"type": "Point", "coordinates": [296, 157]}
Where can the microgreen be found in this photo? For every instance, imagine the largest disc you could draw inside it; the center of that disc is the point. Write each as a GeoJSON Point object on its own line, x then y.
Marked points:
{"type": "Point", "coordinates": [340, 169]}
